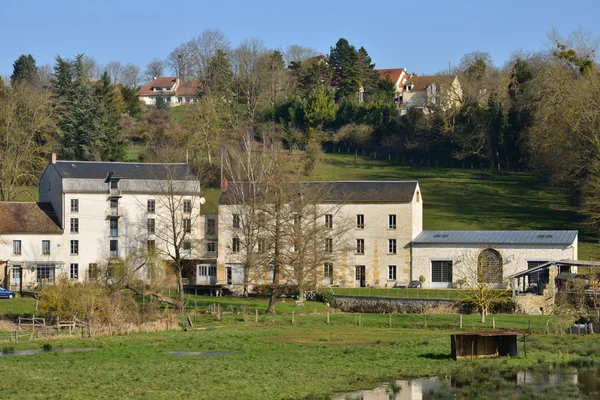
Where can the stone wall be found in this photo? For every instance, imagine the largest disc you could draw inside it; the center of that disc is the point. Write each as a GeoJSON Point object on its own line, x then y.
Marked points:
{"type": "Point", "coordinates": [403, 306]}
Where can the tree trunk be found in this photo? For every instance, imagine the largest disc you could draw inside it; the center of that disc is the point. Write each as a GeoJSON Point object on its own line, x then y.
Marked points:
{"type": "Point", "coordinates": [158, 296]}
{"type": "Point", "coordinates": [180, 285]}
{"type": "Point", "coordinates": [482, 311]}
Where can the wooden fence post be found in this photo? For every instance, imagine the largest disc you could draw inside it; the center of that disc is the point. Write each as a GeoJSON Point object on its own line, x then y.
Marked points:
{"type": "Point", "coordinates": [359, 321]}
{"type": "Point", "coordinates": [460, 321]}
{"type": "Point", "coordinates": [327, 317]}
{"type": "Point", "coordinates": [16, 337]}
{"type": "Point", "coordinates": [390, 320]}
{"type": "Point", "coordinates": [425, 318]}
{"type": "Point", "coordinates": [293, 322]}
{"type": "Point", "coordinates": [493, 322]}
{"type": "Point", "coordinates": [256, 315]}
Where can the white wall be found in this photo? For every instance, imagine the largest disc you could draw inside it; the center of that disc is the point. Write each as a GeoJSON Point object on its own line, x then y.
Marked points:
{"type": "Point", "coordinates": [464, 257]}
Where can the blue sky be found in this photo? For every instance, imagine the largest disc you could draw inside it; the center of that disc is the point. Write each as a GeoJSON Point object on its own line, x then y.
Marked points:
{"type": "Point", "coordinates": [420, 36]}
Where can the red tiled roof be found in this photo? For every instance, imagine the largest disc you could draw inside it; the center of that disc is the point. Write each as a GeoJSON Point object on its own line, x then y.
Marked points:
{"type": "Point", "coordinates": [27, 218]}
{"type": "Point", "coordinates": [184, 88]}
{"type": "Point", "coordinates": [394, 73]}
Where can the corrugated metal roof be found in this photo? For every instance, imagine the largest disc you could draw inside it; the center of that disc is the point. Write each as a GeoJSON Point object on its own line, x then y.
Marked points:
{"type": "Point", "coordinates": [496, 237]}
{"type": "Point", "coordinates": [146, 171]}
{"type": "Point", "coordinates": [340, 191]}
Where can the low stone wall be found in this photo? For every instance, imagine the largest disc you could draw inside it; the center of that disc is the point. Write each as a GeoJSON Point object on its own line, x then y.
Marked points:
{"type": "Point", "coordinates": [403, 306]}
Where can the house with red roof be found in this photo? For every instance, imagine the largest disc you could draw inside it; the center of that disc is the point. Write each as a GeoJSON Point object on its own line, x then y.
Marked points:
{"type": "Point", "coordinates": [399, 77]}
{"type": "Point", "coordinates": [174, 90]}
{"type": "Point", "coordinates": [431, 92]}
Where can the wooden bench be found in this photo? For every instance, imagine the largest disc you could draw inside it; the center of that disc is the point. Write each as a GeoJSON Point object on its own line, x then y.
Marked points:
{"type": "Point", "coordinates": [400, 285]}
{"type": "Point", "coordinates": [299, 303]}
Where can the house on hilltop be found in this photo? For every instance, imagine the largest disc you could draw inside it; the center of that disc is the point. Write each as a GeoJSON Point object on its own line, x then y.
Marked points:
{"type": "Point", "coordinates": [174, 90]}
{"type": "Point", "coordinates": [399, 77]}
{"type": "Point", "coordinates": [431, 92]}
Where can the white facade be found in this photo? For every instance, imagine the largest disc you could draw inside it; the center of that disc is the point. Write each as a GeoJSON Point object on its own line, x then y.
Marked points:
{"type": "Point", "coordinates": [105, 218]}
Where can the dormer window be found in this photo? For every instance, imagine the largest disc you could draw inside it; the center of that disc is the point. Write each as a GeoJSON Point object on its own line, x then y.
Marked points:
{"type": "Point", "coordinates": [168, 88]}
{"type": "Point", "coordinates": [409, 87]}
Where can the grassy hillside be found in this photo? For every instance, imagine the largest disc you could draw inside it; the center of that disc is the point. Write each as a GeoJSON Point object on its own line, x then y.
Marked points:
{"type": "Point", "coordinates": [469, 199]}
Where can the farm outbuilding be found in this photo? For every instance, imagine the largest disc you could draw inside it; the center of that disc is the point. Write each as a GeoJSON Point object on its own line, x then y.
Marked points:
{"type": "Point", "coordinates": [483, 344]}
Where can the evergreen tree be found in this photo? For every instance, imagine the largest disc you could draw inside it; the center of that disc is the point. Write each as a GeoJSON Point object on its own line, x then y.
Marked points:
{"type": "Point", "coordinates": [109, 110]}
{"type": "Point", "coordinates": [131, 100]}
{"type": "Point", "coordinates": [24, 70]}
{"type": "Point", "coordinates": [343, 61]}
{"type": "Point", "coordinates": [219, 76]}
{"type": "Point", "coordinates": [161, 102]}
{"type": "Point", "coordinates": [369, 78]}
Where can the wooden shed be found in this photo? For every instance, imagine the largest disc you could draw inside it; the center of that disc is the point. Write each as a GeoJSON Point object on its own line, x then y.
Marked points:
{"type": "Point", "coordinates": [483, 344]}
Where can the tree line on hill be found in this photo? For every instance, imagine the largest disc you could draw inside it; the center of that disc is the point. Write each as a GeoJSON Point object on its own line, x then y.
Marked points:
{"type": "Point", "coordinates": [539, 111]}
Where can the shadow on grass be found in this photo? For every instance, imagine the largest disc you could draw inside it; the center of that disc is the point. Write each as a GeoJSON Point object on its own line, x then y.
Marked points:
{"type": "Point", "coordinates": [436, 356]}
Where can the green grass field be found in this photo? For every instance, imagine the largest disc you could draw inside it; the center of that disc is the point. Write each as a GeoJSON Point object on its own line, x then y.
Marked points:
{"type": "Point", "coordinates": [272, 359]}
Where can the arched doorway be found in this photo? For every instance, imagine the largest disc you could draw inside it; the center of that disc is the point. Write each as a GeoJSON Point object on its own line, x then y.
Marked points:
{"type": "Point", "coordinates": [489, 266]}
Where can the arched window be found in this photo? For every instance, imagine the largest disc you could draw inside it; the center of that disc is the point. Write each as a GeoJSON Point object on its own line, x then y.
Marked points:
{"type": "Point", "coordinates": [489, 266]}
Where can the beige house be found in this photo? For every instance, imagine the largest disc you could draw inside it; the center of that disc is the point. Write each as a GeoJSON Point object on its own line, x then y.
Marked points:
{"type": "Point", "coordinates": [175, 91]}
{"type": "Point", "coordinates": [431, 92]}
{"type": "Point", "coordinates": [387, 247]}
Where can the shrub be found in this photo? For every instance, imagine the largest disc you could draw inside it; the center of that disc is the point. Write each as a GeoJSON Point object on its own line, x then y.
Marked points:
{"type": "Point", "coordinates": [326, 297]}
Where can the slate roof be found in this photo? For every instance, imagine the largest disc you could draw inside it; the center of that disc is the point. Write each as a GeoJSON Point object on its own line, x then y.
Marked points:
{"type": "Point", "coordinates": [496, 237]}
{"type": "Point", "coordinates": [145, 171]}
{"type": "Point", "coordinates": [28, 218]}
{"type": "Point", "coordinates": [344, 191]}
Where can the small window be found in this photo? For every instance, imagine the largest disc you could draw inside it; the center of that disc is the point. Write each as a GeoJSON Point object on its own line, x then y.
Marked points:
{"type": "Point", "coordinates": [17, 247]}
{"type": "Point", "coordinates": [441, 271]}
{"type": "Point", "coordinates": [187, 206]}
{"type": "Point", "coordinates": [180, 99]}
{"type": "Point", "coordinates": [391, 272]}
{"type": "Point", "coordinates": [328, 221]}
{"type": "Point", "coordinates": [360, 246]}
{"type": "Point", "coordinates": [392, 221]}
{"type": "Point", "coordinates": [151, 245]}
{"type": "Point", "coordinates": [74, 271]}
{"type": "Point", "coordinates": [360, 221]}
{"type": "Point", "coordinates": [114, 183]}
{"type": "Point", "coordinates": [74, 225]}
{"type": "Point", "coordinates": [45, 247]}
{"type": "Point", "coordinates": [235, 247]}
{"type": "Point", "coordinates": [187, 225]}
{"type": "Point", "coordinates": [418, 196]}
{"type": "Point", "coordinates": [114, 248]}
{"type": "Point", "coordinates": [329, 245]}
{"type": "Point", "coordinates": [211, 226]}
{"type": "Point", "coordinates": [392, 246]}
{"type": "Point", "coordinates": [328, 273]}
{"type": "Point", "coordinates": [114, 227]}
{"type": "Point", "coordinates": [114, 203]}
{"type": "Point", "coordinates": [262, 245]}
{"type": "Point", "coordinates": [74, 205]}
{"type": "Point", "coordinates": [93, 271]}
{"type": "Point", "coordinates": [187, 248]}
{"type": "Point", "coordinates": [297, 219]}
{"type": "Point", "coordinates": [236, 220]}
{"type": "Point", "coordinates": [211, 247]}
{"type": "Point", "coordinates": [75, 247]}
{"type": "Point", "coordinates": [151, 226]}
{"type": "Point", "coordinates": [151, 207]}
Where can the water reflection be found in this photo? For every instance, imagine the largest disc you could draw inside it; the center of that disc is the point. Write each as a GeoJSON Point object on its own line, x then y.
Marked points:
{"type": "Point", "coordinates": [40, 351]}
{"type": "Point", "coordinates": [583, 383]}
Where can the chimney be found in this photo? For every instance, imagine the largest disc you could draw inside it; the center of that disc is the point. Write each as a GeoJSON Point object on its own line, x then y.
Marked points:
{"type": "Point", "coordinates": [53, 158]}
{"type": "Point", "coordinates": [224, 185]}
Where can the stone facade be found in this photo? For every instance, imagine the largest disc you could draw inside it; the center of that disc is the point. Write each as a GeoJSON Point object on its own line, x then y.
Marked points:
{"type": "Point", "coordinates": [464, 258]}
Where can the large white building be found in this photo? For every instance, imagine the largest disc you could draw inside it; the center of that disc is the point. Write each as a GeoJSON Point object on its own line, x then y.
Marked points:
{"type": "Point", "coordinates": [387, 246]}
{"type": "Point", "coordinates": [93, 212]}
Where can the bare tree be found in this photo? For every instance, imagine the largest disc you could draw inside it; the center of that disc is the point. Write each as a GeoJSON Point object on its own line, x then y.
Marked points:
{"type": "Point", "coordinates": [317, 235]}
{"type": "Point", "coordinates": [204, 48]}
{"type": "Point", "coordinates": [92, 68]}
{"type": "Point", "coordinates": [115, 70]}
{"type": "Point", "coordinates": [177, 203]}
{"type": "Point", "coordinates": [484, 282]}
{"type": "Point", "coordinates": [295, 54]}
{"type": "Point", "coordinates": [180, 61]}
{"type": "Point", "coordinates": [130, 76]}
{"type": "Point", "coordinates": [27, 133]}
{"type": "Point", "coordinates": [155, 68]}
{"type": "Point", "coordinates": [246, 60]}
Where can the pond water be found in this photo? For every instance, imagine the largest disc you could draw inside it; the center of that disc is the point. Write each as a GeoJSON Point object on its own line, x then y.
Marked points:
{"type": "Point", "coordinates": [575, 383]}
{"type": "Point", "coordinates": [39, 351]}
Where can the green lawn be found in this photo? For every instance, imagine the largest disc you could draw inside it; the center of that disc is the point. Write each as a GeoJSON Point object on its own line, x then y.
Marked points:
{"type": "Point", "coordinates": [268, 360]}
{"type": "Point", "coordinates": [18, 305]}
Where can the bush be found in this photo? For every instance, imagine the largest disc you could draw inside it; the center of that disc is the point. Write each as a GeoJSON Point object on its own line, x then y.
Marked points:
{"type": "Point", "coordinates": [326, 297]}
